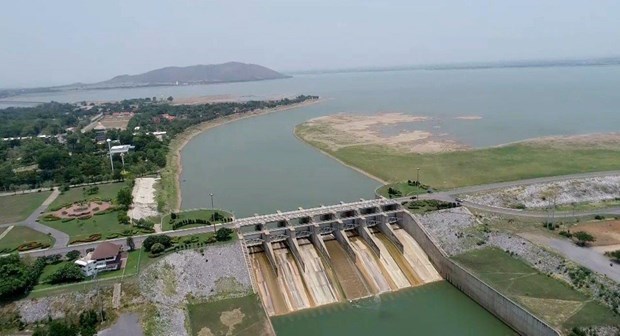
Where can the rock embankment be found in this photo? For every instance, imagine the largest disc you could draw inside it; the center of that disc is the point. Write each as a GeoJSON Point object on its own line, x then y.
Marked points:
{"type": "Point", "coordinates": [217, 271]}
{"type": "Point", "coordinates": [541, 195]}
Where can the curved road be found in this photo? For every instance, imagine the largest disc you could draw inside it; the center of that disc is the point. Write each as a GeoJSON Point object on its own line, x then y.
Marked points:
{"type": "Point", "coordinates": [61, 238]}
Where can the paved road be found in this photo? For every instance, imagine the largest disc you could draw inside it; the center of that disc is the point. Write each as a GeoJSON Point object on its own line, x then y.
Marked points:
{"type": "Point", "coordinates": [62, 239]}
{"type": "Point", "coordinates": [581, 255]}
{"type": "Point", "coordinates": [126, 325]}
{"type": "Point", "coordinates": [123, 241]}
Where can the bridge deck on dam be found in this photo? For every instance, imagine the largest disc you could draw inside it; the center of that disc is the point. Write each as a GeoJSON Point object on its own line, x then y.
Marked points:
{"type": "Point", "coordinates": [311, 257]}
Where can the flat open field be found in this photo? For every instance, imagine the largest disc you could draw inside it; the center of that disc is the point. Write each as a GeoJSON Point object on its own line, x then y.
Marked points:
{"type": "Point", "coordinates": [444, 165]}
{"type": "Point", "coordinates": [551, 299]}
{"type": "Point", "coordinates": [104, 224]}
{"type": "Point", "coordinates": [605, 232]}
{"type": "Point", "coordinates": [239, 316]}
{"type": "Point", "coordinates": [21, 235]}
{"type": "Point", "coordinates": [482, 166]}
{"type": "Point", "coordinates": [119, 122]}
{"type": "Point", "coordinates": [106, 191]}
{"type": "Point", "coordinates": [16, 208]}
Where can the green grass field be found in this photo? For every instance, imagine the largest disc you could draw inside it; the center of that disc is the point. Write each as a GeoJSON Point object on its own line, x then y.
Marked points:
{"type": "Point", "coordinates": [104, 224]}
{"type": "Point", "coordinates": [404, 188]}
{"type": "Point", "coordinates": [106, 191]}
{"type": "Point", "coordinates": [549, 298]}
{"type": "Point", "coordinates": [198, 214]}
{"type": "Point", "coordinates": [20, 235]}
{"type": "Point", "coordinates": [17, 208]}
{"type": "Point", "coordinates": [239, 316]}
{"type": "Point", "coordinates": [481, 166]}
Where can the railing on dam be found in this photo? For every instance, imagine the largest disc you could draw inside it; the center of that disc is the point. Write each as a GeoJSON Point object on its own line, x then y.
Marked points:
{"type": "Point", "coordinates": [511, 313]}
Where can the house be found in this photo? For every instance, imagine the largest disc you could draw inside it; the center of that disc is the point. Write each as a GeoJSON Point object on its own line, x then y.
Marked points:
{"type": "Point", "coordinates": [105, 257]}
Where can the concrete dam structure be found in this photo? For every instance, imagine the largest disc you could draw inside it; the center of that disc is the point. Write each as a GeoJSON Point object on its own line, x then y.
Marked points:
{"type": "Point", "coordinates": [311, 257]}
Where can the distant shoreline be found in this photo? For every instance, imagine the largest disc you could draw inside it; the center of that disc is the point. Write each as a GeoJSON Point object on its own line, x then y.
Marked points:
{"type": "Point", "coordinates": [174, 163]}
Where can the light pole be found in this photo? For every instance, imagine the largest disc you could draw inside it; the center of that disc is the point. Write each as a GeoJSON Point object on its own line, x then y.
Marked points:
{"type": "Point", "coordinates": [417, 178]}
{"type": "Point", "coordinates": [212, 207]}
{"type": "Point", "coordinates": [110, 151]}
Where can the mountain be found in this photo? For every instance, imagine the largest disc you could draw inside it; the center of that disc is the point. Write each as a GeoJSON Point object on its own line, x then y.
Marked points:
{"type": "Point", "coordinates": [197, 74]}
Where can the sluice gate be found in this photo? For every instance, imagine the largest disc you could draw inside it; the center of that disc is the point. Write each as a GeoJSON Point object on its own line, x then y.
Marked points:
{"type": "Point", "coordinates": [312, 257]}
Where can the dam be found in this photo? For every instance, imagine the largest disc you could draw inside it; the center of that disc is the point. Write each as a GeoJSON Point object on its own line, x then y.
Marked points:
{"type": "Point", "coordinates": [314, 257]}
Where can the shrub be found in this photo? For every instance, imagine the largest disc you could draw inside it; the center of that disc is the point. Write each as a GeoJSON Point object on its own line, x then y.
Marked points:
{"type": "Point", "coordinates": [32, 245]}
{"type": "Point", "coordinates": [223, 234]}
{"type": "Point", "coordinates": [566, 234]}
{"type": "Point", "coordinates": [87, 217]}
{"type": "Point", "coordinates": [51, 218]}
{"type": "Point", "coordinates": [72, 255]}
{"type": "Point", "coordinates": [166, 241]}
{"type": "Point", "coordinates": [599, 217]}
{"type": "Point", "coordinates": [123, 218]}
{"type": "Point", "coordinates": [68, 272]}
{"type": "Point", "coordinates": [173, 216]}
{"type": "Point", "coordinates": [583, 238]}
{"type": "Point", "coordinates": [90, 239]}
{"type": "Point", "coordinates": [157, 248]}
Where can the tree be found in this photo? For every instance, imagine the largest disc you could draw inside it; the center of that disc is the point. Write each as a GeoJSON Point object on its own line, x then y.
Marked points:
{"type": "Point", "coordinates": [170, 99]}
{"type": "Point", "coordinates": [583, 238]}
{"type": "Point", "coordinates": [223, 234]}
{"type": "Point", "coordinates": [68, 272]}
{"type": "Point", "coordinates": [72, 255]}
{"type": "Point", "coordinates": [123, 218]}
{"type": "Point", "coordinates": [614, 254]}
{"type": "Point", "coordinates": [14, 277]}
{"type": "Point", "coordinates": [124, 197]}
{"type": "Point", "coordinates": [166, 241]}
{"type": "Point", "coordinates": [157, 248]}
{"type": "Point", "coordinates": [131, 244]}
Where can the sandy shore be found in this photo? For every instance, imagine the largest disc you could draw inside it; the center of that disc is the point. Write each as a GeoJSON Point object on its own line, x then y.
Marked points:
{"type": "Point", "coordinates": [344, 130]}
{"type": "Point", "coordinates": [182, 139]}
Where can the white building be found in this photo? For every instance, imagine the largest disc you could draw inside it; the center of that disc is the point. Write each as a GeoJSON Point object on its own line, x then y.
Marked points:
{"type": "Point", "coordinates": [105, 257]}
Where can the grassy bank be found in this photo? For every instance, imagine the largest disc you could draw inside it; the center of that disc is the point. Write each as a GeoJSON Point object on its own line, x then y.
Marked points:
{"type": "Point", "coordinates": [462, 168]}
{"type": "Point", "coordinates": [16, 208]}
{"type": "Point", "coordinates": [549, 298]}
{"type": "Point", "coordinates": [207, 215]}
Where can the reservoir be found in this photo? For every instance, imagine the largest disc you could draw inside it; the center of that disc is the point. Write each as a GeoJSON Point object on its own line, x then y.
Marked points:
{"type": "Point", "coordinates": [256, 165]}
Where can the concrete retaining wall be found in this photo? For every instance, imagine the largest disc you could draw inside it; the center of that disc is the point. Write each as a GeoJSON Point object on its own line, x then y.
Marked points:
{"type": "Point", "coordinates": [499, 305]}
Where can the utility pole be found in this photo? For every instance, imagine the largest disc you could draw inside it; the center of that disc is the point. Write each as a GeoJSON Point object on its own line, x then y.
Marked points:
{"type": "Point", "coordinates": [110, 152]}
{"type": "Point", "coordinates": [212, 207]}
{"type": "Point", "coordinates": [417, 178]}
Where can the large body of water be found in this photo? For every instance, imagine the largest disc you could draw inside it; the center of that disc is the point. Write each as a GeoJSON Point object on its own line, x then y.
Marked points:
{"type": "Point", "coordinates": [257, 166]}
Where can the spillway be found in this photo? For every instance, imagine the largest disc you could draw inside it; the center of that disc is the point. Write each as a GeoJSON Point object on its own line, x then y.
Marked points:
{"type": "Point", "coordinates": [267, 284]}
{"type": "Point", "coordinates": [369, 266]}
{"type": "Point", "coordinates": [291, 281]}
{"type": "Point", "coordinates": [417, 258]}
{"type": "Point", "coordinates": [347, 274]}
{"type": "Point", "coordinates": [317, 280]}
{"type": "Point", "coordinates": [394, 270]}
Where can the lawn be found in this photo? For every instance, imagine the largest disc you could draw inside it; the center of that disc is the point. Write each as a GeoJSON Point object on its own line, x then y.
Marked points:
{"type": "Point", "coordinates": [106, 191]}
{"type": "Point", "coordinates": [21, 235]}
{"type": "Point", "coordinates": [198, 214]}
{"type": "Point", "coordinates": [481, 166]}
{"type": "Point", "coordinates": [404, 187]}
{"type": "Point", "coordinates": [17, 208]}
{"type": "Point", "coordinates": [551, 299]}
{"type": "Point", "coordinates": [105, 224]}
{"type": "Point", "coordinates": [238, 316]}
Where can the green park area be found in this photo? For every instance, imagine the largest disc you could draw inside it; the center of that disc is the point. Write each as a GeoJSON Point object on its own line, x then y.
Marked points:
{"type": "Point", "coordinates": [195, 218]}
{"type": "Point", "coordinates": [402, 189]}
{"type": "Point", "coordinates": [92, 213]}
{"type": "Point", "coordinates": [22, 236]}
{"type": "Point", "coordinates": [238, 316]}
{"type": "Point", "coordinates": [551, 299]}
{"type": "Point", "coordinates": [79, 194]}
{"type": "Point", "coordinates": [17, 208]}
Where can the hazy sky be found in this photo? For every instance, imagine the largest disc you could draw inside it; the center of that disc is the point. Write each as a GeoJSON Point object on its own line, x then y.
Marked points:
{"type": "Point", "coordinates": [49, 42]}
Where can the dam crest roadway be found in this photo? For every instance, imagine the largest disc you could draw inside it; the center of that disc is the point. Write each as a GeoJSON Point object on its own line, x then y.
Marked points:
{"type": "Point", "coordinates": [311, 257]}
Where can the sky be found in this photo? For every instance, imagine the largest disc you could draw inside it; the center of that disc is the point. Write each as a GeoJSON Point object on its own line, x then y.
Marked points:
{"type": "Point", "coordinates": [45, 42]}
